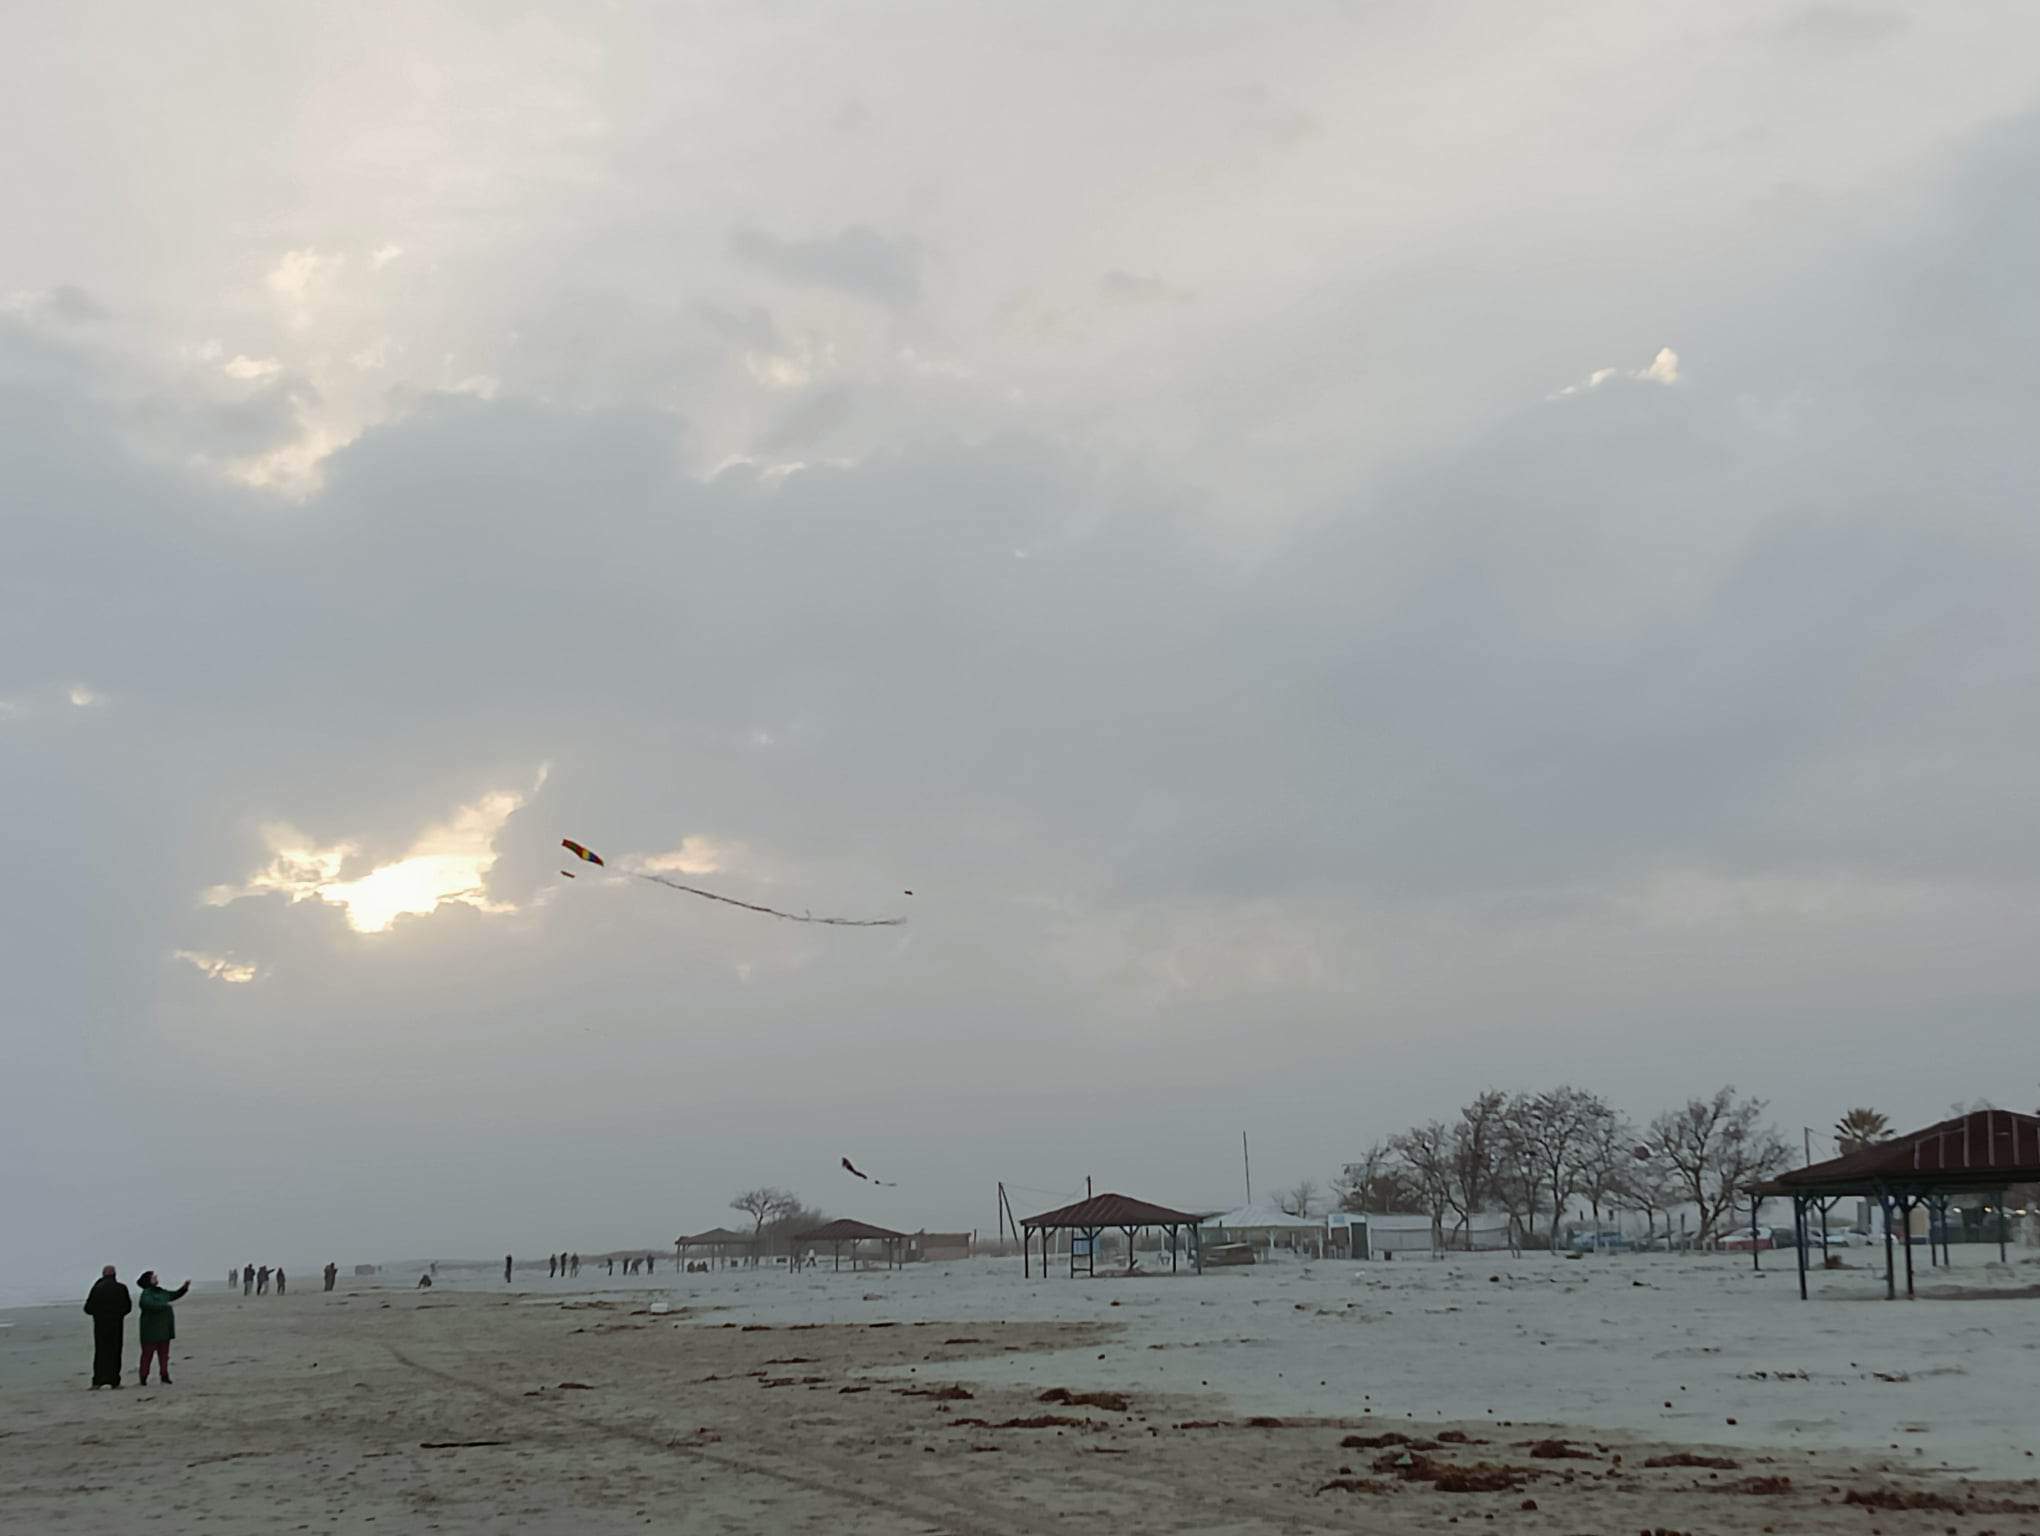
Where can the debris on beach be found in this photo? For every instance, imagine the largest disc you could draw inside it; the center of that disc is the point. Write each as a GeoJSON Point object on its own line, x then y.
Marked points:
{"type": "Point", "coordinates": [1112, 1402]}
{"type": "Point", "coordinates": [1354, 1485]}
{"type": "Point", "coordinates": [1763, 1487]}
{"type": "Point", "coordinates": [1453, 1477]}
{"type": "Point", "coordinates": [1691, 1459]}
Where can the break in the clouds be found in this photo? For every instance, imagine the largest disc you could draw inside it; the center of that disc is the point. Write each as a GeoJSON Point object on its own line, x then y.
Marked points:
{"type": "Point", "coordinates": [1108, 483]}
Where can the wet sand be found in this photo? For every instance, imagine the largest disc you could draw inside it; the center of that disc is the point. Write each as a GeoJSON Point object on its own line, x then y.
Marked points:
{"type": "Point", "coordinates": [468, 1410]}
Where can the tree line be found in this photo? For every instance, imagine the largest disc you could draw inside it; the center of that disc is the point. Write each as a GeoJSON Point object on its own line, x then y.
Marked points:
{"type": "Point", "coordinates": [1528, 1155]}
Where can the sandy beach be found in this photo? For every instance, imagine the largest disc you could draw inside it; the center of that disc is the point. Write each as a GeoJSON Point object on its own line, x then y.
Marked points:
{"type": "Point", "coordinates": [1281, 1397]}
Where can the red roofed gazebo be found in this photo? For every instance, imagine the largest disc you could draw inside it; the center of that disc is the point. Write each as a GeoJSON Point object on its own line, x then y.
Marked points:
{"type": "Point", "coordinates": [1986, 1150]}
{"type": "Point", "coordinates": [837, 1233]}
{"type": "Point", "coordinates": [1095, 1215]}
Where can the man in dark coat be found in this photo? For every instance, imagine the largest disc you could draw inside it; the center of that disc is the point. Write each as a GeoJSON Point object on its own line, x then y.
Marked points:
{"type": "Point", "coordinates": [108, 1305]}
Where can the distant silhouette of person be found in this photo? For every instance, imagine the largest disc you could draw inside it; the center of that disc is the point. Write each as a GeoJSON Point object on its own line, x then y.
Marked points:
{"type": "Point", "coordinates": [433, 1268]}
{"type": "Point", "coordinates": [233, 1277]}
{"type": "Point", "coordinates": [248, 1280]}
{"type": "Point", "coordinates": [651, 1263]}
{"type": "Point", "coordinates": [108, 1305]}
{"type": "Point", "coordinates": [424, 1282]}
{"type": "Point", "coordinates": [612, 1263]}
{"type": "Point", "coordinates": [576, 1263]}
{"type": "Point", "coordinates": [506, 1269]}
{"type": "Point", "coordinates": [332, 1273]}
{"type": "Point", "coordinates": [159, 1323]}
{"type": "Point", "coordinates": [552, 1265]}
{"type": "Point", "coordinates": [279, 1279]}
{"type": "Point", "coordinates": [262, 1280]}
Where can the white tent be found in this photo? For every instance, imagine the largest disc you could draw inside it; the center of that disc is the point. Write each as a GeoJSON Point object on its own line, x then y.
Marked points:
{"type": "Point", "coordinates": [1267, 1228]}
{"type": "Point", "coordinates": [1264, 1218]}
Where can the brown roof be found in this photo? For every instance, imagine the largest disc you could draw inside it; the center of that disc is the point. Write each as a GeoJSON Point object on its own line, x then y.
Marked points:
{"type": "Point", "coordinates": [715, 1235]}
{"type": "Point", "coordinates": [849, 1231]}
{"type": "Point", "coordinates": [1112, 1211]}
{"type": "Point", "coordinates": [1986, 1148]}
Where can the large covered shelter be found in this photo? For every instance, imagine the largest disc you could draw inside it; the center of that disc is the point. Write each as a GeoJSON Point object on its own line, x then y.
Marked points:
{"type": "Point", "coordinates": [1983, 1152]}
{"type": "Point", "coordinates": [837, 1233]}
{"type": "Point", "coordinates": [716, 1246]}
{"type": "Point", "coordinates": [1087, 1218]}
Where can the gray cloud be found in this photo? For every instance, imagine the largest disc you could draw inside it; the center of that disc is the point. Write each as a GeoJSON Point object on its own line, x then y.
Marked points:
{"type": "Point", "coordinates": [1283, 707]}
{"type": "Point", "coordinates": [856, 260]}
{"type": "Point", "coordinates": [1121, 287]}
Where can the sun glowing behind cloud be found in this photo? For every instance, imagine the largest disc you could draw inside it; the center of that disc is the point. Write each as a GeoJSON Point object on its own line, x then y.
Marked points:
{"type": "Point", "coordinates": [217, 967]}
{"type": "Point", "coordinates": [448, 864]}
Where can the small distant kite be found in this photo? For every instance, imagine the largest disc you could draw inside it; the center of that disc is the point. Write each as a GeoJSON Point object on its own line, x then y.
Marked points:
{"type": "Point", "coordinates": [592, 857]}
{"type": "Point", "coordinates": [851, 1168]}
{"type": "Point", "coordinates": [568, 873]}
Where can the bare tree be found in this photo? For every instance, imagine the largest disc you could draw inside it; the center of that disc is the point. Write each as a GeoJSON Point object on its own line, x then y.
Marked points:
{"type": "Point", "coordinates": [1425, 1155]}
{"type": "Point", "coordinates": [1607, 1153]}
{"type": "Point", "coordinates": [1550, 1132]}
{"type": "Point", "coordinates": [1298, 1200]}
{"type": "Point", "coordinates": [1717, 1148]}
{"type": "Point", "coordinates": [1378, 1182]}
{"type": "Point", "coordinates": [1476, 1152]}
{"type": "Point", "coordinates": [1650, 1184]}
{"type": "Point", "coordinates": [766, 1204]}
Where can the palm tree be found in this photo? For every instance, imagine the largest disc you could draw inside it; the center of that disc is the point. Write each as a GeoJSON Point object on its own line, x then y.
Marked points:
{"type": "Point", "coordinates": [1861, 1128]}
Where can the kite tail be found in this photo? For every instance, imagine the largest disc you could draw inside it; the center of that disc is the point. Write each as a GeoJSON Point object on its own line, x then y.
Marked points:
{"type": "Point", "coordinates": [791, 917]}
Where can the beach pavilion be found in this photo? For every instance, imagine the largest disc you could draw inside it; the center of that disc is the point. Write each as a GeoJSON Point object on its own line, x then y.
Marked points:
{"type": "Point", "coordinates": [717, 1245]}
{"type": "Point", "coordinates": [1983, 1152]}
{"type": "Point", "coordinates": [837, 1233]}
{"type": "Point", "coordinates": [1087, 1218]}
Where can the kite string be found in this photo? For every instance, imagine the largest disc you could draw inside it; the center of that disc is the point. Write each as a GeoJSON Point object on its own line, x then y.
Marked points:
{"type": "Point", "coordinates": [751, 906]}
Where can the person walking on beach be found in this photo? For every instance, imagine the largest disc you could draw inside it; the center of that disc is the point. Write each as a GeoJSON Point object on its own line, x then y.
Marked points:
{"type": "Point", "coordinates": [612, 1263]}
{"type": "Point", "coordinates": [262, 1280]}
{"type": "Point", "coordinates": [159, 1323]}
{"type": "Point", "coordinates": [552, 1265]}
{"type": "Point", "coordinates": [248, 1280]}
{"type": "Point", "coordinates": [651, 1263]}
{"type": "Point", "coordinates": [279, 1279]}
{"type": "Point", "coordinates": [506, 1269]}
{"type": "Point", "coordinates": [233, 1277]}
{"type": "Point", "coordinates": [332, 1273]}
{"type": "Point", "coordinates": [577, 1265]}
{"type": "Point", "coordinates": [107, 1304]}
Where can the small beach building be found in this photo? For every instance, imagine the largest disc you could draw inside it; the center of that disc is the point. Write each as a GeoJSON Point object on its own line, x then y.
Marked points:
{"type": "Point", "coordinates": [1266, 1229]}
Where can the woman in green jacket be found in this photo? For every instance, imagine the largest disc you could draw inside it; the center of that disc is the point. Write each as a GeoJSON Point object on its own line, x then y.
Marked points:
{"type": "Point", "coordinates": [159, 1323]}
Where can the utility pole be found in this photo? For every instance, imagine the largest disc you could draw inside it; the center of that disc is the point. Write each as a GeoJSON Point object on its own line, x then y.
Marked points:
{"type": "Point", "coordinates": [1247, 1163]}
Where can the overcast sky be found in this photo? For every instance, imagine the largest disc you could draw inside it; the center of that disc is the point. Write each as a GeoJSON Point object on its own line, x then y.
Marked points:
{"type": "Point", "coordinates": [1346, 553]}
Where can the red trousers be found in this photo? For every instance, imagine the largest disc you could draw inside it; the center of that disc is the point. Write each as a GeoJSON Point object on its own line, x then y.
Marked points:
{"type": "Point", "coordinates": [162, 1353]}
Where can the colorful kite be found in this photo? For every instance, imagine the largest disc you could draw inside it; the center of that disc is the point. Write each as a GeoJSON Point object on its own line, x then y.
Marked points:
{"type": "Point", "coordinates": [730, 901]}
{"type": "Point", "coordinates": [852, 1168]}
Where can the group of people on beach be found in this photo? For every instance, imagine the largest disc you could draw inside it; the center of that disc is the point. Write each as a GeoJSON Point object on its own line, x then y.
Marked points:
{"type": "Point", "coordinates": [563, 1266]}
{"type": "Point", "coordinates": [254, 1279]}
{"type": "Point", "coordinates": [108, 1305]}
